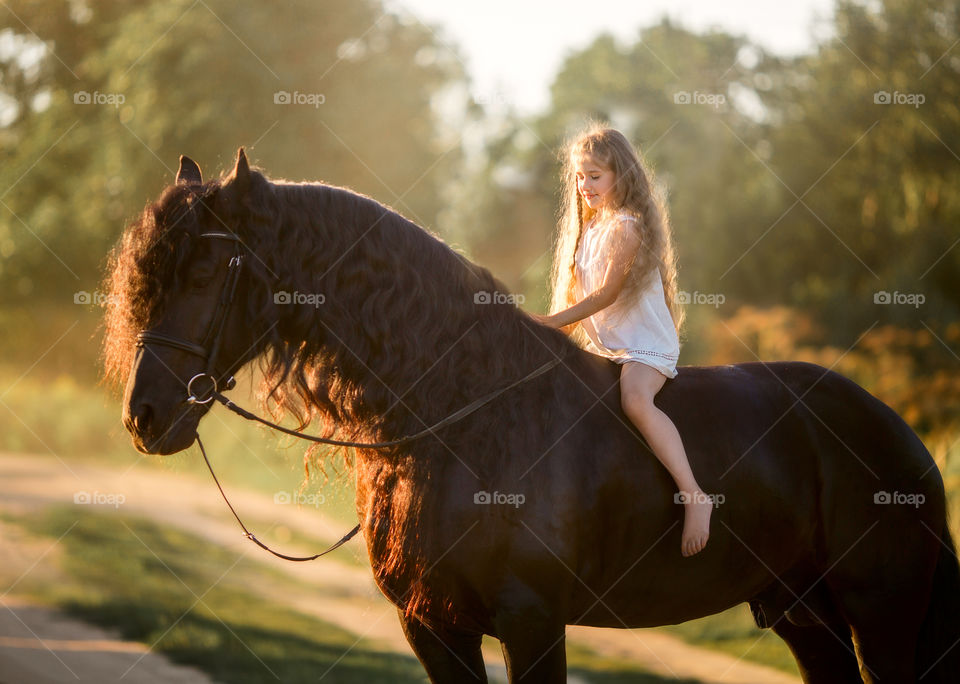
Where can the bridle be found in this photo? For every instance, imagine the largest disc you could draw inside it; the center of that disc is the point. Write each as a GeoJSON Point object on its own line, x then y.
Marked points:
{"type": "Point", "coordinates": [209, 347]}
{"type": "Point", "coordinates": [208, 350]}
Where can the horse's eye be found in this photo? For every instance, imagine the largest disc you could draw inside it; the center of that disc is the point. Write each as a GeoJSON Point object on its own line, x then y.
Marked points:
{"type": "Point", "coordinates": [200, 281]}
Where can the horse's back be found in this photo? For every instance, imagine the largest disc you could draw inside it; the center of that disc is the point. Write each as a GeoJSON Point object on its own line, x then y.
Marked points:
{"type": "Point", "coordinates": [835, 411]}
{"type": "Point", "coordinates": [739, 422]}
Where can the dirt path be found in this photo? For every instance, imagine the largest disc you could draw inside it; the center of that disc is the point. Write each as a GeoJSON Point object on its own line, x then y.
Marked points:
{"type": "Point", "coordinates": [43, 646]}
{"type": "Point", "coordinates": [344, 594]}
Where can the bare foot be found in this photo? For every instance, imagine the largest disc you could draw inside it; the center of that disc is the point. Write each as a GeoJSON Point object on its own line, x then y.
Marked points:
{"type": "Point", "coordinates": [696, 523]}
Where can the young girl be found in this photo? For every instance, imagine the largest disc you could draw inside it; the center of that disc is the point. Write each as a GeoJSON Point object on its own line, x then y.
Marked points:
{"type": "Point", "coordinates": [614, 272]}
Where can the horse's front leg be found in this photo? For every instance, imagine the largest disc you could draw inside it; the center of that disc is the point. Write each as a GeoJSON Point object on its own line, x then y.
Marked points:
{"type": "Point", "coordinates": [447, 656]}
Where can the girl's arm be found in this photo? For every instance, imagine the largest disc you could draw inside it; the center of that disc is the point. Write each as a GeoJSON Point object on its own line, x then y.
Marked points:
{"type": "Point", "coordinates": [627, 242]}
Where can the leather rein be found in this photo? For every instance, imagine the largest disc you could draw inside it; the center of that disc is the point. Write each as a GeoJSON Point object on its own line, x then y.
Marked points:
{"type": "Point", "coordinates": [208, 350]}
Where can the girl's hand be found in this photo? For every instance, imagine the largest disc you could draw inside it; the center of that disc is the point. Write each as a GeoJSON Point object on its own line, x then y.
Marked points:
{"type": "Point", "coordinates": [543, 319]}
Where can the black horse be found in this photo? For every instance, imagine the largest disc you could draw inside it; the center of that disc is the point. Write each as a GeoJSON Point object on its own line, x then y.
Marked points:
{"type": "Point", "coordinates": [544, 508]}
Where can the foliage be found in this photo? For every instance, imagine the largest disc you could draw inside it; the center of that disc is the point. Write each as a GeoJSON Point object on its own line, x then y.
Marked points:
{"type": "Point", "coordinates": [339, 91]}
{"type": "Point", "coordinates": [820, 182]}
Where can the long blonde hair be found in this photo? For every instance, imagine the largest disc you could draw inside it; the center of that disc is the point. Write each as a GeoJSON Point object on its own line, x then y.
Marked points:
{"type": "Point", "coordinates": [633, 193]}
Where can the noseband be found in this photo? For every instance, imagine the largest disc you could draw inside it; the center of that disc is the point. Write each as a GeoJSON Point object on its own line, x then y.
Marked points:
{"type": "Point", "coordinates": [209, 348]}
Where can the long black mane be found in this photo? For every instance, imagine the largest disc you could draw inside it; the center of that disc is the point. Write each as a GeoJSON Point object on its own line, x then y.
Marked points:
{"type": "Point", "coordinates": [400, 309]}
{"type": "Point", "coordinates": [408, 331]}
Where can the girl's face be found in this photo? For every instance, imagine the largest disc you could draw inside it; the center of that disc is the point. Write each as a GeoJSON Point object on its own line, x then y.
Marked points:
{"type": "Point", "coordinates": [594, 182]}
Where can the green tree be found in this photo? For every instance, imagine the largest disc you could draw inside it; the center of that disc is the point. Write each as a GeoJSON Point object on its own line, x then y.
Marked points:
{"type": "Point", "coordinates": [98, 100]}
{"type": "Point", "coordinates": [870, 124]}
{"type": "Point", "coordinates": [790, 181]}
{"type": "Point", "coordinates": [341, 92]}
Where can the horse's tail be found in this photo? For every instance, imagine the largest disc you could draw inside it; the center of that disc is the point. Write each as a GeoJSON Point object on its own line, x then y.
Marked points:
{"type": "Point", "coordinates": [938, 649]}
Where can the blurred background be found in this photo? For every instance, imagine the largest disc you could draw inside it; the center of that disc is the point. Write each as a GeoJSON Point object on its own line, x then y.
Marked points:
{"type": "Point", "coordinates": [812, 165]}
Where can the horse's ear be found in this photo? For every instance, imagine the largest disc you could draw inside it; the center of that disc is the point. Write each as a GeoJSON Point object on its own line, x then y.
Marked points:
{"type": "Point", "coordinates": [240, 176]}
{"type": "Point", "coordinates": [235, 186]}
{"type": "Point", "coordinates": [189, 173]}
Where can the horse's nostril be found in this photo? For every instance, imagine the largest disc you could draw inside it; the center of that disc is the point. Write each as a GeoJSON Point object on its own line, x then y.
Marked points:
{"type": "Point", "coordinates": [141, 416]}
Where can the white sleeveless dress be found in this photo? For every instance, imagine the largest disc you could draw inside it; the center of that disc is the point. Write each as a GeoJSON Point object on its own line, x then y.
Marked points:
{"type": "Point", "coordinates": [639, 330]}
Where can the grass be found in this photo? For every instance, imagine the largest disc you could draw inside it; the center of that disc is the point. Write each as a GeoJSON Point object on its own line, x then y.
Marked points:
{"type": "Point", "coordinates": [192, 602]}
{"type": "Point", "coordinates": [734, 632]}
{"type": "Point", "coordinates": [584, 663]}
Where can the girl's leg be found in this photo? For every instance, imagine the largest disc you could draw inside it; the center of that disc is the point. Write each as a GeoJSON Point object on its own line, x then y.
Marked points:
{"type": "Point", "coordinates": [639, 384]}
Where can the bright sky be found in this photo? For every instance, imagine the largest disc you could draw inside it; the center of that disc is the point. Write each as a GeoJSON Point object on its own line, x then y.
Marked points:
{"type": "Point", "coordinates": [513, 48]}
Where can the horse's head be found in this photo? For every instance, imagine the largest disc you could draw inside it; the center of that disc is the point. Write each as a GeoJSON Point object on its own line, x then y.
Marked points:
{"type": "Point", "coordinates": [181, 283]}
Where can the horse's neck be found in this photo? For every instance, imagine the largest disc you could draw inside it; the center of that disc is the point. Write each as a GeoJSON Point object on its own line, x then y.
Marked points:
{"type": "Point", "coordinates": [396, 295]}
